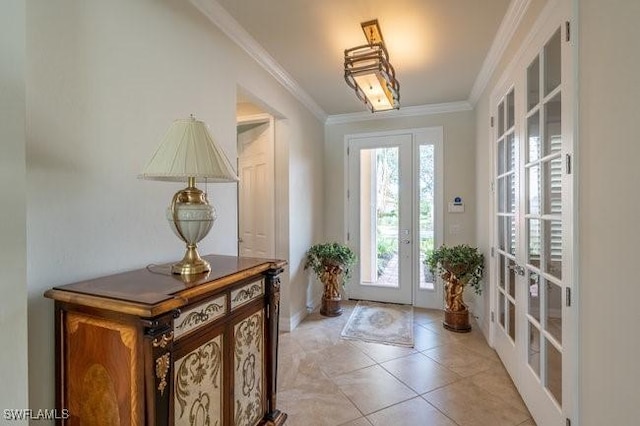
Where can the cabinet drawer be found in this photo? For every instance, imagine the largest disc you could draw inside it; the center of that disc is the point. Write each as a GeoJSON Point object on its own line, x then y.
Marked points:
{"type": "Point", "coordinates": [198, 316]}
{"type": "Point", "coordinates": [245, 294]}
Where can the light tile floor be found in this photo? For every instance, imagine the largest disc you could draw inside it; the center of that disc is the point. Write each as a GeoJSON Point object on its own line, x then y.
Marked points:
{"type": "Point", "coordinates": [446, 379]}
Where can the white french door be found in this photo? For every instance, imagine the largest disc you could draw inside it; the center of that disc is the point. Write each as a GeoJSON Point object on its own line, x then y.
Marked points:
{"type": "Point", "coordinates": [394, 215]}
{"type": "Point", "coordinates": [532, 280]}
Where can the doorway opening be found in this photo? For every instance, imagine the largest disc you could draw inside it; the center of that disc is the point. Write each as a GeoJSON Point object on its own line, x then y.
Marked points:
{"type": "Point", "coordinates": [257, 185]}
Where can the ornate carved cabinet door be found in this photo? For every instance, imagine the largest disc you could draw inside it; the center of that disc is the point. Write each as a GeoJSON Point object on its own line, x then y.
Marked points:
{"type": "Point", "coordinates": [198, 385]}
{"type": "Point", "coordinates": [248, 370]}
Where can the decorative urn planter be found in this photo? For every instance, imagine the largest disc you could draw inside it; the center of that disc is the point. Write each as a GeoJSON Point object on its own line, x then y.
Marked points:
{"type": "Point", "coordinates": [331, 263]}
{"type": "Point", "coordinates": [458, 266]}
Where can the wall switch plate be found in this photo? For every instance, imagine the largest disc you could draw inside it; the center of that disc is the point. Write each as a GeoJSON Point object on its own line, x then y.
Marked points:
{"type": "Point", "coordinates": [456, 208]}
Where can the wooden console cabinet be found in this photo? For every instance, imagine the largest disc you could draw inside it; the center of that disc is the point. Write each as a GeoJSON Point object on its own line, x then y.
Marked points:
{"type": "Point", "coordinates": [149, 348]}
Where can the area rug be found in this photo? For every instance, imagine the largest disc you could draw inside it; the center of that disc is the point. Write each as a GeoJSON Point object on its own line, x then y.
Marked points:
{"type": "Point", "coordinates": [386, 323]}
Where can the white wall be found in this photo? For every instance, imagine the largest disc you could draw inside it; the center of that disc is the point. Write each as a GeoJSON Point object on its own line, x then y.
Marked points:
{"type": "Point", "coordinates": [459, 170]}
{"type": "Point", "coordinates": [608, 176]}
{"type": "Point", "coordinates": [104, 82]}
{"type": "Point", "coordinates": [13, 252]}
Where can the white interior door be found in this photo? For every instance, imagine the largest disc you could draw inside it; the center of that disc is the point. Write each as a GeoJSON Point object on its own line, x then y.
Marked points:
{"type": "Point", "coordinates": [394, 205]}
{"type": "Point", "coordinates": [533, 220]}
{"type": "Point", "coordinates": [256, 196]}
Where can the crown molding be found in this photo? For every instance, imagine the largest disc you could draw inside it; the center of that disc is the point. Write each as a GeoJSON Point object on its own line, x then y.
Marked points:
{"type": "Point", "coordinates": [508, 26]}
{"type": "Point", "coordinates": [412, 111]}
{"type": "Point", "coordinates": [232, 29]}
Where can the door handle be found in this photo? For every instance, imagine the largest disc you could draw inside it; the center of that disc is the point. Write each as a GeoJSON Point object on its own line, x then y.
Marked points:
{"type": "Point", "coordinates": [406, 241]}
{"type": "Point", "coordinates": [517, 269]}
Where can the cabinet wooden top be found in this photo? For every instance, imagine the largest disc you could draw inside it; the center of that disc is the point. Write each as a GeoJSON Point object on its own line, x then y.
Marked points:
{"type": "Point", "coordinates": [154, 290]}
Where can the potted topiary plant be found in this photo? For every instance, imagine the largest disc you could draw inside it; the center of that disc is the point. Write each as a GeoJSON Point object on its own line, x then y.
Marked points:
{"type": "Point", "coordinates": [332, 264]}
{"type": "Point", "coordinates": [458, 266]}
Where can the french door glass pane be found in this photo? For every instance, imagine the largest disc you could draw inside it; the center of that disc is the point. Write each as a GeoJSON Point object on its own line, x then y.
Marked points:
{"type": "Point", "coordinates": [533, 137]}
{"type": "Point", "coordinates": [501, 157]}
{"type": "Point", "coordinates": [512, 279]}
{"type": "Point", "coordinates": [553, 125]}
{"type": "Point", "coordinates": [533, 84]}
{"type": "Point", "coordinates": [501, 309]}
{"type": "Point", "coordinates": [511, 194]}
{"type": "Point", "coordinates": [534, 234]}
{"type": "Point", "coordinates": [511, 152]}
{"type": "Point", "coordinates": [426, 183]}
{"type": "Point", "coordinates": [379, 224]}
{"type": "Point", "coordinates": [553, 248]}
{"type": "Point", "coordinates": [553, 311]}
{"type": "Point", "coordinates": [534, 295]}
{"type": "Point", "coordinates": [534, 348]}
{"type": "Point", "coordinates": [511, 235]}
{"type": "Point", "coordinates": [502, 226]}
{"type": "Point", "coordinates": [501, 282]}
{"type": "Point", "coordinates": [512, 321]}
{"type": "Point", "coordinates": [501, 119]}
{"type": "Point", "coordinates": [511, 110]}
{"type": "Point", "coordinates": [535, 190]}
{"type": "Point", "coordinates": [553, 186]}
{"type": "Point", "coordinates": [554, 371]}
{"type": "Point", "coordinates": [552, 63]}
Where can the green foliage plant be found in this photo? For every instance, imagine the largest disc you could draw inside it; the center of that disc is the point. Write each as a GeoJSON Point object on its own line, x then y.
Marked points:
{"type": "Point", "coordinates": [336, 254]}
{"type": "Point", "coordinates": [464, 262]}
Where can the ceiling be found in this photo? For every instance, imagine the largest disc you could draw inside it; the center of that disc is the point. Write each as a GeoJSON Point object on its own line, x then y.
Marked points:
{"type": "Point", "coordinates": [436, 46]}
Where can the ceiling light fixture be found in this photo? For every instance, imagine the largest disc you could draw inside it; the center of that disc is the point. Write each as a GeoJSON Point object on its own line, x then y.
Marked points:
{"type": "Point", "coordinates": [368, 71]}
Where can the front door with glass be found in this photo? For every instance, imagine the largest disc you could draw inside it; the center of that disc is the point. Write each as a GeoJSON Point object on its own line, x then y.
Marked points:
{"type": "Point", "coordinates": [394, 215]}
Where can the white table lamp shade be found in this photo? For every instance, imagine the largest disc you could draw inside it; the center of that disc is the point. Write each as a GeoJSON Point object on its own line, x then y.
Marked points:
{"type": "Point", "coordinates": [188, 150]}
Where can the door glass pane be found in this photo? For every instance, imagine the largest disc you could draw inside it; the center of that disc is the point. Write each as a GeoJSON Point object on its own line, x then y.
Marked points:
{"type": "Point", "coordinates": [426, 182]}
{"type": "Point", "coordinates": [511, 152]}
{"type": "Point", "coordinates": [553, 247]}
{"type": "Point", "coordinates": [511, 110]}
{"type": "Point", "coordinates": [501, 119]}
{"type": "Point", "coordinates": [501, 277]}
{"type": "Point", "coordinates": [553, 311]}
{"type": "Point", "coordinates": [534, 236]}
{"type": "Point", "coordinates": [553, 125]}
{"type": "Point", "coordinates": [502, 225]}
{"type": "Point", "coordinates": [511, 194]}
{"type": "Point", "coordinates": [534, 295]}
{"type": "Point", "coordinates": [534, 349]}
{"type": "Point", "coordinates": [534, 190]}
{"type": "Point", "coordinates": [533, 84]}
{"type": "Point", "coordinates": [501, 309]}
{"type": "Point", "coordinates": [512, 321]}
{"type": "Point", "coordinates": [501, 157]}
{"type": "Point", "coordinates": [553, 186]}
{"type": "Point", "coordinates": [533, 137]}
{"type": "Point", "coordinates": [552, 63]}
{"type": "Point", "coordinates": [511, 235]}
{"type": "Point", "coordinates": [512, 279]}
{"type": "Point", "coordinates": [502, 198]}
{"type": "Point", "coordinates": [379, 224]}
{"type": "Point", "coordinates": [554, 371]}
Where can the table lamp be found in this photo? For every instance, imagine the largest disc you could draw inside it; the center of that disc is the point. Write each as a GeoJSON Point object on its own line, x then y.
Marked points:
{"type": "Point", "coordinates": [189, 153]}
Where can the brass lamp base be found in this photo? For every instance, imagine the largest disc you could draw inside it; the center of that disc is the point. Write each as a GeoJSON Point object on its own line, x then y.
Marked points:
{"type": "Point", "coordinates": [191, 263]}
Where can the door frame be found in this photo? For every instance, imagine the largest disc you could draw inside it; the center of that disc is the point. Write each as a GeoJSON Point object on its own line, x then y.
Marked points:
{"type": "Point", "coordinates": [433, 135]}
